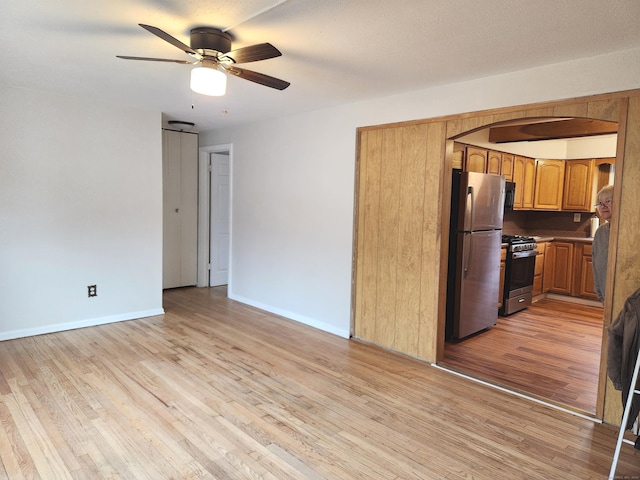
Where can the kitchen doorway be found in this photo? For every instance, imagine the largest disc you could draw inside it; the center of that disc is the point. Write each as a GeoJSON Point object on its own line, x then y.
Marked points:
{"type": "Point", "coordinates": [551, 350]}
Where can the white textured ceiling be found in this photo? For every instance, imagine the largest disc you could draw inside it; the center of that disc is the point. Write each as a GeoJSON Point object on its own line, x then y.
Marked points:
{"type": "Point", "coordinates": [334, 51]}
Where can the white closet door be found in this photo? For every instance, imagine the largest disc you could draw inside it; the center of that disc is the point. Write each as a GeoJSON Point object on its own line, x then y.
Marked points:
{"type": "Point", "coordinates": [180, 208]}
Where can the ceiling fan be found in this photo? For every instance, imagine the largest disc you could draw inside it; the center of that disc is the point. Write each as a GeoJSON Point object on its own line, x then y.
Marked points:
{"type": "Point", "coordinates": [211, 49]}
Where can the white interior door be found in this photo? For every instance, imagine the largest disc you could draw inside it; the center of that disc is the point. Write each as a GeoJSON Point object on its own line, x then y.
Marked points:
{"type": "Point", "coordinates": [220, 215]}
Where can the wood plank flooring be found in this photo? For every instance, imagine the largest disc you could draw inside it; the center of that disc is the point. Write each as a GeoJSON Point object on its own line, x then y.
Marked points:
{"type": "Point", "coordinates": [215, 389]}
{"type": "Point", "coordinates": [551, 351]}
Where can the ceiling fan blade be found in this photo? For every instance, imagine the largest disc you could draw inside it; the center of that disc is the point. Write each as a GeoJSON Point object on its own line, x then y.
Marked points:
{"type": "Point", "coordinates": [256, 77]}
{"type": "Point", "coordinates": [168, 38]}
{"type": "Point", "coordinates": [253, 53]}
{"type": "Point", "coordinates": [186, 62]}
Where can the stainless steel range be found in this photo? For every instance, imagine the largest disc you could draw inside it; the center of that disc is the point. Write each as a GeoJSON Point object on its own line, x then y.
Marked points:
{"type": "Point", "coordinates": [519, 271]}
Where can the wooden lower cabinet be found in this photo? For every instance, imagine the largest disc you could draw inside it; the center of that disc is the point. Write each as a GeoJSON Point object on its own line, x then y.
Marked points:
{"type": "Point", "coordinates": [562, 268]}
{"type": "Point", "coordinates": [584, 285]}
{"type": "Point", "coordinates": [565, 268]}
{"type": "Point", "coordinates": [539, 269]}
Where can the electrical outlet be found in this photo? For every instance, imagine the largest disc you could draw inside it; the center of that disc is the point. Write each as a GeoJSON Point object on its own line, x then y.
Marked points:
{"type": "Point", "coordinates": [92, 290]}
{"type": "Point", "coordinates": [576, 217]}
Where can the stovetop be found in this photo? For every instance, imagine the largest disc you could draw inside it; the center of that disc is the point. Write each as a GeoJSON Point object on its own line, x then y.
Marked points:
{"type": "Point", "coordinates": [517, 239]}
{"type": "Point", "coordinates": [519, 242]}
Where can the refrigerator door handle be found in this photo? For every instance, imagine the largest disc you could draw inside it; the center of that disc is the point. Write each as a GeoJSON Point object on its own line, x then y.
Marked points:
{"type": "Point", "coordinates": [470, 220]}
{"type": "Point", "coordinates": [466, 248]}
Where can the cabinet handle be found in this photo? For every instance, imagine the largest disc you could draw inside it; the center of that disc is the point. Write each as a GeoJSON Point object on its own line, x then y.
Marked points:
{"type": "Point", "coordinates": [177, 210]}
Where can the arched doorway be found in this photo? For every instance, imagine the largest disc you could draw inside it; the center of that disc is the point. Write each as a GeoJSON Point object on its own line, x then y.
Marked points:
{"type": "Point", "coordinates": [551, 350]}
{"type": "Point", "coordinates": [401, 240]}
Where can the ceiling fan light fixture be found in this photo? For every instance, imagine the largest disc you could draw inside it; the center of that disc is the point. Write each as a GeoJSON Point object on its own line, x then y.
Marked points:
{"type": "Point", "coordinates": [208, 81]}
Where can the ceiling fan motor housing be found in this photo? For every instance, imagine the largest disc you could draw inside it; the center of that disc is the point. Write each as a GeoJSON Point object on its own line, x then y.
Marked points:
{"type": "Point", "coordinates": [208, 38]}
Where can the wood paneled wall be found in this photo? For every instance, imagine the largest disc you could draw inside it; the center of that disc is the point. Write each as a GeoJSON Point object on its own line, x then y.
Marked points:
{"type": "Point", "coordinates": [402, 213]}
{"type": "Point", "coordinates": [397, 252]}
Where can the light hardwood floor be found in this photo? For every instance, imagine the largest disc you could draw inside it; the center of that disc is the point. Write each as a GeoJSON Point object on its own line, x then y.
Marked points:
{"type": "Point", "coordinates": [551, 351]}
{"type": "Point", "coordinates": [217, 389]}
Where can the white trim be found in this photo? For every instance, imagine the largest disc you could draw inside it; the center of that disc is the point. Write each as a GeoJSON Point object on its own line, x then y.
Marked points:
{"type": "Point", "coordinates": [204, 214]}
{"type": "Point", "coordinates": [517, 394]}
{"type": "Point", "coordinates": [325, 327]}
{"type": "Point", "coordinates": [90, 322]}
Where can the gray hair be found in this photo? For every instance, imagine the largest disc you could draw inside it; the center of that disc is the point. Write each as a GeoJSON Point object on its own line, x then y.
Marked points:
{"type": "Point", "coordinates": [606, 191]}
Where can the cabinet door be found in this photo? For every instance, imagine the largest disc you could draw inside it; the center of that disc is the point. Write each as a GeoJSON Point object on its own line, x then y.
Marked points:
{"type": "Point", "coordinates": [506, 168]}
{"type": "Point", "coordinates": [476, 160]}
{"type": "Point", "coordinates": [549, 265]}
{"type": "Point", "coordinates": [518, 178]}
{"type": "Point", "coordinates": [529, 183]}
{"type": "Point", "coordinates": [603, 171]}
{"type": "Point", "coordinates": [494, 162]}
{"type": "Point", "coordinates": [578, 185]}
{"type": "Point", "coordinates": [562, 268]}
{"type": "Point", "coordinates": [549, 184]}
{"type": "Point", "coordinates": [586, 286]}
{"type": "Point", "coordinates": [539, 270]}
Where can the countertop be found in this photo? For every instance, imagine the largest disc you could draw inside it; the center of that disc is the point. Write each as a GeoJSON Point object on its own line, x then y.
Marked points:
{"type": "Point", "coordinates": [547, 238]}
{"type": "Point", "coordinates": [563, 239]}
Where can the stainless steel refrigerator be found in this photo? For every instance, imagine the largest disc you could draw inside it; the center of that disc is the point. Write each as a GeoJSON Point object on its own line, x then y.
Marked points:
{"type": "Point", "coordinates": [475, 237]}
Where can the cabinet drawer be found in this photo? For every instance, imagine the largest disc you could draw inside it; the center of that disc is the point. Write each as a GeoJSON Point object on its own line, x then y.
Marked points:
{"type": "Point", "coordinates": [586, 250]}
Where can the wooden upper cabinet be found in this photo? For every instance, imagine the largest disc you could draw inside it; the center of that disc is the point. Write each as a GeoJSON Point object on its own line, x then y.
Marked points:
{"type": "Point", "coordinates": [602, 172]}
{"type": "Point", "coordinates": [457, 160]}
{"type": "Point", "coordinates": [549, 184]}
{"type": "Point", "coordinates": [578, 185]}
{"type": "Point", "coordinates": [494, 162]}
{"type": "Point", "coordinates": [506, 167]}
{"type": "Point", "coordinates": [518, 178]}
{"type": "Point", "coordinates": [476, 160]}
{"type": "Point", "coordinates": [552, 185]}
{"type": "Point", "coordinates": [524, 174]}
{"type": "Point", "coordinates": [530, 174]}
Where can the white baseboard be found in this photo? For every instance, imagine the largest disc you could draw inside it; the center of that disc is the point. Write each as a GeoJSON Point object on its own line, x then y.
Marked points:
{"type": "Point", "coordinates": [91, 322]}
{"type": "Point", "coordinates": [292, 316]}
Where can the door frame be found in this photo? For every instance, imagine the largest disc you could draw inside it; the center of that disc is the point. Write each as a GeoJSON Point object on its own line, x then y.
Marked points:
{"type": "Point", "coordinates": [204, 209]}
{"type": "Point", "coordinates": [451, 158]}
{"type": "Point", "coordinates": [623, 276]}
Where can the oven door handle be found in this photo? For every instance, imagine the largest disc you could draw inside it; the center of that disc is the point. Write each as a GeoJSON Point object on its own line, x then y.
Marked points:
{"type": "Point", "coordinates": [524, 254]}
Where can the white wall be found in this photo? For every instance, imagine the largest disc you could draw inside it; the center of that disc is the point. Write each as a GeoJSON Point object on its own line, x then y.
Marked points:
{"type": "Point", "coordinates": [80, 204]}
{"type": "Point", "coordinates": [293, 181]}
